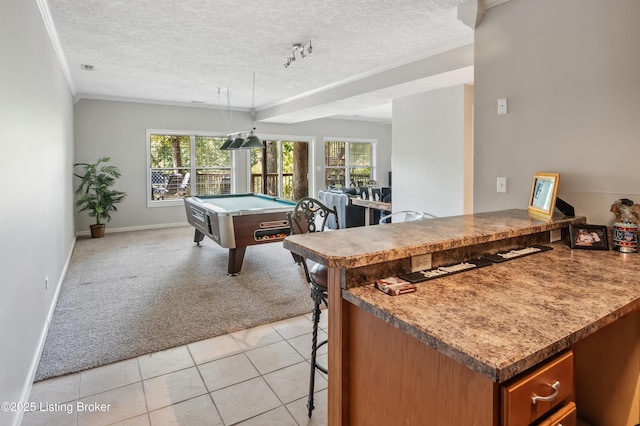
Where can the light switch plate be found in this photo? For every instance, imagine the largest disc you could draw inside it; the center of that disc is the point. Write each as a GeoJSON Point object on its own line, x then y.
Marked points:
{"type": "Point", "coordinates": [501, 184]}
{"type": "Point", "coordinates": [502, 106]}
{"type": "Point", "coordinates": [420, 262]}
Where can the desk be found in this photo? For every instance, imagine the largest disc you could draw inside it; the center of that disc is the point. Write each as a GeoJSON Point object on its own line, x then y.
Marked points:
{"type": "Point", "coordinates": [238, 220]}
{"type": "Point", "coordinates": [369, 205]}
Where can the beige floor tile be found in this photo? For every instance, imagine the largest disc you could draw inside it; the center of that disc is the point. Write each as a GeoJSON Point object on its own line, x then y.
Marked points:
{"type": "Point", "coordinates": [323, 360]}
{"type": "Point", "coordinates": [227, 371]}
{"type": "Point", "coordinates": [58, 389]}
{"type": "Point", "coordinates": [319, 417]}
{"type": "Point", "coordinates": [273, 357]}
{"type": "Point", "coordinates": [324, 318]}
{"type": "Point", "coordinates": [293, 327]}
{"type": "Point", "coordinates": [56, 417]}
{"type": "Point", "coordinates": [142, 420]}
{"type": "Point", "coordinates": [214, 348]}
{"type": "Point", "coordinates": [278, 417]}
{"type": "Point", "coordinates": [172, 388]}
{"type": "Point", "coordinates": [256, 337]}
{"type": "Point", "coordinates": [116, 405]}
{"type": "Point", "coordinates": [292, 382]}
{"type": "Point", "coordinates": [302, 344]}
{"type": "Point", "coordinates": [198, 411]}
{"type": "Point", "coordinates": [108, 377]}
{"type": "Point", "coordinates": [245, 400]}
{"type": "Point", "coordinates": [159, 363]}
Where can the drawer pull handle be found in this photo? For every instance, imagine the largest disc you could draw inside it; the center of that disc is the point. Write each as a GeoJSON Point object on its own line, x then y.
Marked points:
{"type": "Point", "coordinates": [535, 398]}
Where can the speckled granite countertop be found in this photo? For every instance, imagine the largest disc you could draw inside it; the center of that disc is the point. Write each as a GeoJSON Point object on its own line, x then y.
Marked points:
{"type": "Point", "coordinates": [354, 247]}
{"type": "Point", "coordinates": [505, 318]}
{"type": "Point", "coordinates": [499, 320]}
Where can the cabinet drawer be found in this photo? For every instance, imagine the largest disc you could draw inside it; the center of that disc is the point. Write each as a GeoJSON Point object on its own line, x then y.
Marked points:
{"type": "Point", "coordinates": [552, 379]}
{"type": "Point", "coordinates": [565, 416]}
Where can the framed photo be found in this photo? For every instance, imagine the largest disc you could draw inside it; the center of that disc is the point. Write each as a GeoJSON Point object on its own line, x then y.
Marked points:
{"type": "Point", "coordinates": [543, 194]}
{"type": "Point", "coordinates": [588, 237]}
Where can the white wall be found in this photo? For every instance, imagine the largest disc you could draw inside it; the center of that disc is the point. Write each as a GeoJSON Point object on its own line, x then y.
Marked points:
{"type": "Point", "coordinates": [431, 133]}
{"type": "Point", "coordinates": [36, 230]}
{"type": "Point", "coordinates": [570, 70]}
{"type": "Point", "coordinates": [118, 130]}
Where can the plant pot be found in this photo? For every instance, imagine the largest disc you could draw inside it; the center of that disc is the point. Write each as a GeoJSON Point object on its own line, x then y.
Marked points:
{"type": "Point", "coordinates": [97, 231]}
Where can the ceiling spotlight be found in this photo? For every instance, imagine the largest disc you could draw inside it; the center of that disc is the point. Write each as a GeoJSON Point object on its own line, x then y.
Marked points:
{"type": "Point", "coordinates": [304, 48]}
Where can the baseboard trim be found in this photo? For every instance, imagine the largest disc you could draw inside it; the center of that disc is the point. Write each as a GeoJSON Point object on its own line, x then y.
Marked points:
{"type": "Point", "coordinates": [43, 337]}
{"type": "Point", "coordinates": [135, 228]}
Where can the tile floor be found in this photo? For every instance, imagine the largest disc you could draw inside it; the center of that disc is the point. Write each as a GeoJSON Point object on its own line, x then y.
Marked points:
{"type": "Point", "coordinates": [258, 376]}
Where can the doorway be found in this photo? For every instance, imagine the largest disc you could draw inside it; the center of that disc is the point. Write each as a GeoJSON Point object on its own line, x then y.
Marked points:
{"type": "Point", "coordinates": [281, 169]}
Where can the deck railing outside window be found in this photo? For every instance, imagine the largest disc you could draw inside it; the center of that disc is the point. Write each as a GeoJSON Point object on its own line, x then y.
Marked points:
{"type": "Point", "coordinates": [171, 184]}
{"type": "Point", "coordinates": [272, 184]}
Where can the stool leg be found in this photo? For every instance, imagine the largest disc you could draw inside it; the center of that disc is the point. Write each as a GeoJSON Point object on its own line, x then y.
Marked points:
{"type": "Point", "coordinates": [314, 349]}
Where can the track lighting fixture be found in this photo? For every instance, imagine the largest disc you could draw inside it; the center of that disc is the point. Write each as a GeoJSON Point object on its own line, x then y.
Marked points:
{"type": "Point", "coordinates": [304, 50]}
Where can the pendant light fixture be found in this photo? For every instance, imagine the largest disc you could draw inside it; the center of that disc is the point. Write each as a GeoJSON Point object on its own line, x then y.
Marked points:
{"type": "Point", "coordinates": [252, 140]}
{"type": "Point", "coordinates": [238, 142]}
{"type": "Point", "coordinates": [225, 144]}
{"type": "Point", "coordinates": [229, 141]}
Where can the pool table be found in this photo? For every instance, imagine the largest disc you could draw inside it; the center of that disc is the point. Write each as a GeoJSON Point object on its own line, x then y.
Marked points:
{"type": "Point", "coordinates": [238, 220]}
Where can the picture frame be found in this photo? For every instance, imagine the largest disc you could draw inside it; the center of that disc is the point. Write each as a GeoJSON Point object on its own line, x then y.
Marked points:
{"type": "Point", "coordinates": [544, 190]}
{"type": "Point", "coordinates": [588, 237]}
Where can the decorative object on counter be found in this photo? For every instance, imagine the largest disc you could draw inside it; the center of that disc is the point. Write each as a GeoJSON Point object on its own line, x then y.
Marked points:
{"type": "Point", "coordinates": [626, 211]}
{"type": "Point", "coordinates": [625, 228]}
{"type": "Point", "coordinates": [588, 237]}
{"type": "Point", "coordinates": [394, 286]}
{"type": "Point", "coordinates": [543, 194]}
{"type": "Point", "coordinates": [625, 237]}
{"type": "Point", "coordinates": [443, 271]}
{"type": "Point", "coordinates": [515, 253]}
{"type": "Point", "coordinates": [565, 208]}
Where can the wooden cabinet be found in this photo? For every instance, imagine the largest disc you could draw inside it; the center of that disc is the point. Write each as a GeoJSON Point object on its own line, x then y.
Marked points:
{"type": "Point", "coordinates": [533, 395]}
{"type": "Point", "coordinates": [565, 416]}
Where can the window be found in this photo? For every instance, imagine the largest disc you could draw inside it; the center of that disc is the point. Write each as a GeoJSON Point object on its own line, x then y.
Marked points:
{"type": "Point", "coordinates": [186, 164]}
{"type": "Point", "coordinates": [348, 163]}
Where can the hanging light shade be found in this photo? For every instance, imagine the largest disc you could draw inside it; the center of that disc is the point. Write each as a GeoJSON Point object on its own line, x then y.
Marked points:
{"type": "Point", "coordinates": [252, 141]}
{"type": "Point", "coordinates": [225, 144]}
{"type": "Point", "coordinates": [237, 142]}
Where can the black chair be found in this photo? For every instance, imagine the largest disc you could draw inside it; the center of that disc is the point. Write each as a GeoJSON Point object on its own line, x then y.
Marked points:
{"type": "Point", "coordinates": [310, 215]}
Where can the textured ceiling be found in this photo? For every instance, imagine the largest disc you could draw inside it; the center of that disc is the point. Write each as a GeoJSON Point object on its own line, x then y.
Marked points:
{"type": "Point", "coordinates": [201, 50]}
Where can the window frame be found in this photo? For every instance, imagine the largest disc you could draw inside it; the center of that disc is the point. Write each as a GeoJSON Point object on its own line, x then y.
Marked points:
{"type": "Point", "coordinates": [374, 160]}
{"type": "Point", "coordinates": [192, 134]}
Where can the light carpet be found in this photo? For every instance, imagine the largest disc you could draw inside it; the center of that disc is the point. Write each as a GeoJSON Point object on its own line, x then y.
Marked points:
{"type": "Point", "coordinates": [133, 293]}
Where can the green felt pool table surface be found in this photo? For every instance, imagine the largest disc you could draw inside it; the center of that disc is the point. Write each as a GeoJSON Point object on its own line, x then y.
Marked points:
{"type": "Point", "coordinates": [245, 202]}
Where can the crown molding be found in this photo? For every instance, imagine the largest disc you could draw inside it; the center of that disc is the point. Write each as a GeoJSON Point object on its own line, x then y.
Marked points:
{"type": "Point", "coordinates": [43, 7]}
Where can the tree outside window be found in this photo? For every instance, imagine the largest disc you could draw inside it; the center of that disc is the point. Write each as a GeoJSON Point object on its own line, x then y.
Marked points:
{"type": "Point", "coordinates": [181, 165]}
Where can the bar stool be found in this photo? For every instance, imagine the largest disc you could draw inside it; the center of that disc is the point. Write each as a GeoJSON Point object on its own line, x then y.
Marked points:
{"type": "Point", "coordinates": [310, 215]}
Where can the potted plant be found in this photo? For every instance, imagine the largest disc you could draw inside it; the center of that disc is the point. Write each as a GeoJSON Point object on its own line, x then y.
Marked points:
{"type": "Point", "coordinates": [97, 196]}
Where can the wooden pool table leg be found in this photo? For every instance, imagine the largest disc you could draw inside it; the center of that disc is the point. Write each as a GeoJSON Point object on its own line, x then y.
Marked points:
{"type": "Point", "coordinates": [236, 256]}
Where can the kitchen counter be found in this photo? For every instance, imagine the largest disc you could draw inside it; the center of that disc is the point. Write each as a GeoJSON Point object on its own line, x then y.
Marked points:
{"type": "Point", "coordinates": [505, 318]}
{"type": "Point", "coordinates": [477, 329]}
{"type": "Point", "coordinates": [354, 247]}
